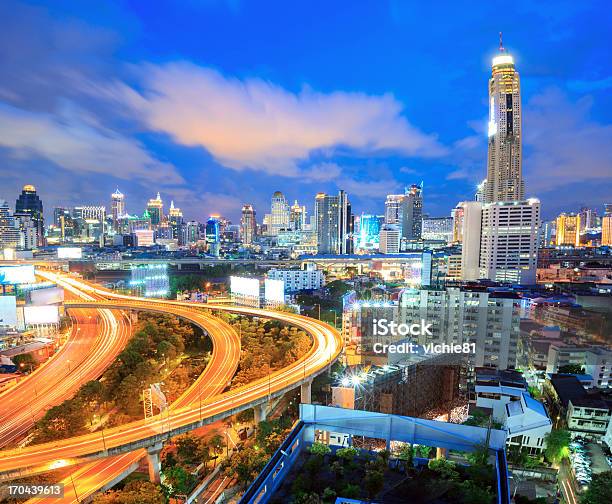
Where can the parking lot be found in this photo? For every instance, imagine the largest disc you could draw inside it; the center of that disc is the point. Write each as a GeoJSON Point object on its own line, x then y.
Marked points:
{"type": "Point", "coordinates": [588, 458]}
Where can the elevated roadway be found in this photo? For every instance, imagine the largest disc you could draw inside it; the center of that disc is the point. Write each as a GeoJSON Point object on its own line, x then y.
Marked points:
{"type": "Point", "coordinates": [326, 347]}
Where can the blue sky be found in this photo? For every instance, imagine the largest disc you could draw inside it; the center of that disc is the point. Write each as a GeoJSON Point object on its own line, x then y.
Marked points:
{"type": "Point", "coordinates": [219, 103]}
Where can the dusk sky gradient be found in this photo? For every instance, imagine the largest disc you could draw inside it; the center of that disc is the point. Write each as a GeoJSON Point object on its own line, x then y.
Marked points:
{"type": "Point", "coordinates": [220, 103]}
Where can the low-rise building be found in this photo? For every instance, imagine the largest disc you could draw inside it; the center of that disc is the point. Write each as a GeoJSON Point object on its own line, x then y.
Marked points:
{"type": "Point", "coordinates": [588, 417]}
{"type": "Point", "coordinates": [298, 279]}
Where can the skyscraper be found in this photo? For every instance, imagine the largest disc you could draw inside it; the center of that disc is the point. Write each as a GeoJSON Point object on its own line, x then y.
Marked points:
{"type": "Point", "coordinates": [504, 165]}
{"type": "Point", "coordinates": [117, 208]}
{"type": "Point", "coordinates": [412, 213]}
{"type": "Point", "coordinates": [297, 217]}
{"type": "Point", "coordinates": [509, 241]}
{"type": "Point", "coordinates": [334, 223]}
{"type": "Point", "coordinates": [9, 232]}
{"type": "Point", "coordinates": [248, 225]}
{"type": "Point", "coordinates": [175, 220]}
{"type": "Point", "coordinates": [606, 230]}
{"type": "Point", "coordinates": [30, 207]}
{"type": "Point", "coordinates": [393, 208]}
{"type": "Point", "coordinates": [213, 235]}
{"type": "Point", "coordinates": [155, 207]}
{"type": "Point", "coordinates": [568, 230]}
{"type": "Point", "coordinates": [279, 214]}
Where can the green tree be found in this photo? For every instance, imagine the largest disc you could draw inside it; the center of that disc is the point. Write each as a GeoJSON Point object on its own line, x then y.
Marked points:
{"type": "Point", "coordinates": [62, 421]}
{"type": "Point", "coordinates": [447, 469]}
{"type": "Point", "coordinates": [373, 482]}
{"type": "Point", "coordinates": [319, 449]}
{"type": "Point", "coordinates": [348, 454]}
{"type": "Point", "coordinates": [571, 369]}
{"type": "Point", "coordinates": [179, 479]}
{"type": "Point", "coordinates": [600, 489]}
{"type": "Point", "coordinates": [476, 494]}
{"type": "Point", "coordinates": [134, 492]}
{"type": "Point", "coordinates": [350, 491]}
{"type": "Point", "coordinates": [25, 362]}
{"type": "Point", "coordinates": [188, 449]}
{"type": "Point", "coordinates": [557, 445]}
{"type": "Point", "coordinates": [245, 464]}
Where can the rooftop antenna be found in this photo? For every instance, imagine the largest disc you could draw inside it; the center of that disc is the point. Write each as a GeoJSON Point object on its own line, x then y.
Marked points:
{"type": "Point", "coordinates": [501, 43]}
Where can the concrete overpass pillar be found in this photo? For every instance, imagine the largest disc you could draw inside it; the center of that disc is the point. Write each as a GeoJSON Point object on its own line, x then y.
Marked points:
{"type": "Point", "coordinates": [154, 462]}
{"type": "Point", "coordinates": [306, 392]}
{"type": "Point", "coordinates": [261, 413]}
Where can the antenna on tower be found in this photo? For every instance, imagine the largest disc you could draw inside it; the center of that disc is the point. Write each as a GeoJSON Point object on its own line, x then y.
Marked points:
{"type": "Point", "coordinates": [501, 43]}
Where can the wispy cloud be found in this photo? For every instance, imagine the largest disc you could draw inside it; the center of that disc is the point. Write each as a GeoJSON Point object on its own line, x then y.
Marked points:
{"type": "Point", "coordinates": [255, 124]}
{"type": "Point", "coordinates": [73, 143]}
{"type": "Point", "coordinates": [587, 86]}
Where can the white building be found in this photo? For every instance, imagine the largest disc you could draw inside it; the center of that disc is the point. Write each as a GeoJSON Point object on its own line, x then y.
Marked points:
{"type": "Point", "coordinates": [505, 394]}
{"type": "Point", "coordinates": [588, 417]}
{"type": "Point", "coordinates": [488, 320]}
{"type": "Point", "coordinates": [471, 218]}
{"type": "Point", "coordinates": [389, 242]}
{"type": "Point", "coordinates": [298, 280]}
{"type": "Point", "coordinates": [438, 228]}
{"type": "Point", "coordinates": [596, 361]}
{"type": "Point", "coordinates": [509, 241]}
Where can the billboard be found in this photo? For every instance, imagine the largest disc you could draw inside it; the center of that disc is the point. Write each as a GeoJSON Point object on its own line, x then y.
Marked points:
{"type": "Point", "coordinates": [17, 274]}
{"type": "Point", "coordinates": [69, 253]}
{"type": "Point", "coordinates": [51, 295]}
{"type": "Point", "coordinates": [8, 311]}
{"type": "Point", "coordinates": [243, 286]}
{"type": "Point", "coordinates": [274, 290]}
{"type": "Point", "coordinates": [34, 315]}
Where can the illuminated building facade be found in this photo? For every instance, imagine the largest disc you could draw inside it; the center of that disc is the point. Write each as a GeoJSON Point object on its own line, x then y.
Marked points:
{"type": "Point", "coordinates": [29, 207]}
{"type": "Point", "coordinates": [568, 230]}
{"type": "Point", "coordinates": [606, 230]}
{"type": "Point", "coordinates": [368, 232]}
{"type": "Point", "coordinates": [155, 208]}
{"type": "Point", "coordinates": [412, 213]}
{"type": "Point", "coordinates": [150, 280]}
{"type": "Point", "coordinates": [504, 164]}
{"type": "Point", "coordinates": [393, 208]}
{"type": "Point", "coordinates": [279, 214]}
{"type": "Point", "coordinates": [117, 207]}
{"type": "Point", "coordinates": [334, 223]}
{"type": "Point", "coordinates": [248, 225]}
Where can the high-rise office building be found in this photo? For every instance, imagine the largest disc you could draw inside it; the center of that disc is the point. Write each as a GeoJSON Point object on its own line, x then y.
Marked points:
{"type": "Point", "coordinates": [510, 233]}
{"type": "Point", "coordinates": [367, 232]}
{"type": "Point", "coordinates": [489, 320]}
{"type": "Point", "coordinates": [248, 225]}
{"type": "Point", "coordinates": [297, 217]}
{"type": "Point", "coordinates": [471, 222]}
{"type": "Point", "coordinates": [606, 230]}
{"type": "Point", "coordinates": [334, 223]}
{"type": "Point", "coordinates": [481, 192]}
{"type": "Point", "coordinates": [412, 213]}
{"type": "Point", "coordinates": [393, 208]}
{"type": "Point", "coordinates": [9, 232]}
{"type": "Point", "coordinates": [389, 239]}
{"type": "Point", "coordinates": [504, 165]}
{"type": "Point", "coordinates": [279, 215]}
{"type": "Point", "coordinates": [437, 228]}
{"type": "Point", "coordinates": [175, 220]}
{"type": "Point", "coordinates": [588, 219]}
{"type": "Point", "coordinates": [213, 235]}
{"type": "Point", "coordinates": [90, 220]}
{"type": "Point", "coordinates": [155, 208]}
{"type": "Point", "coordinates": [117, 208]}
{"type": "Point", "coordinates": [29, 206]}
{"type": "Point", "coordinates": [457, 216]}
{"type": "Point", "coordinates": [568, 230]}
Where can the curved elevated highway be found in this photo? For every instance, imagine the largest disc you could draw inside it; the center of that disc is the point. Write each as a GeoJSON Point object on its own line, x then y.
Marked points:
{"type": "Point", "coordinates": [326, 347]}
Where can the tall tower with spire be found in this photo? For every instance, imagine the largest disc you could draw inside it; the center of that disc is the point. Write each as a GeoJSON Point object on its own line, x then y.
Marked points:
{"type": "Point", "coordinates": [155, 207]}
{"type": "Point", "coordinates": [504, 163]}
{"type": "Point", "coordinates": [117, 207]}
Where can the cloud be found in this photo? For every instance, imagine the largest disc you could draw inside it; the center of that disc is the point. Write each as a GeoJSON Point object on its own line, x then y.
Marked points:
{"type": "Point", "coordinates": [254, 124]}
{"type": "Point", "coordinates": [563, 145]}
{"type": "Point", "coordinates": [587, 86]}
{"type": "Point", "coordinates": [322, 172]}
{"type": "Point", "coordinates": [74, 142]}
{"type": "Point", "coordinates": [377, 189]}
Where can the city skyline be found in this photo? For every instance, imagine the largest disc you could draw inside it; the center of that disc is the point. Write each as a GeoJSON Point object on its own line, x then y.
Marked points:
{"type": "Point", "coordinates": [406, 125]}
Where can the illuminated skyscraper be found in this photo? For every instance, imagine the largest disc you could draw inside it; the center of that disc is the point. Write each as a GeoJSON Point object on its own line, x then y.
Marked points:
{"type": "Point", "coordinates": [9, 232]}
{"type": "Point", "coordinates": [297, 217]}
{"type": "Point", "coordinates": [117, 208]}
{"type": "Point", "coordinates": [175, 220]}
{"type": "Point", "coordinates": [30, 207]}
{"type": "Point", "coordinates": [412, 213]}
{"type": "Point", "coordinates": [334, 223]}
{"type": "Point", "coordinates": [606, 230]}
{"type": "Point", "coordinates": [248, 225]}
{"type": "Point", "coordinates": [279, 214]}
{"type": "Point", "coordinates": [155, 208]}
{"type": "Point", "coordinates": [367, 235]}
{"type": "Point", "coordinates": [213, 235]}
{"type": "Point", "coordinates": [568, 230]}
{"type": "Point", "coordinates": [504, 165]}
{"type": "Point", "coordinates": [481, 192]}
{"type": "Point", "coordinates": [393, 208]}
